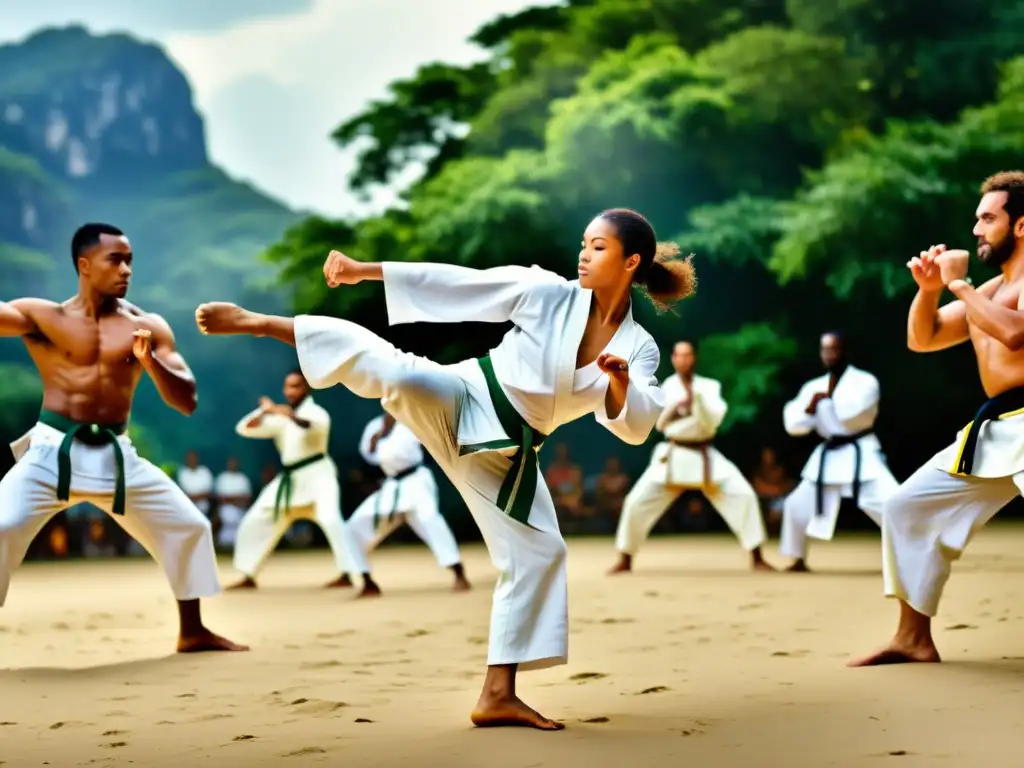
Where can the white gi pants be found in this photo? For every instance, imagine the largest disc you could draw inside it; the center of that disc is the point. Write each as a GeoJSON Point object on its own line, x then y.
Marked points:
{"type": "Point", "coordinates": [927, 524]}
{"type": "Point", "coordinates": [412, 500]}
{"type": "Point", "coordinates": [158, 514]}
{"type": "Point", "coordinates": [799, 509]}
{"type": "Point", "coordinates": [260, 532]}
{"type": "Point", "coordinates": [732, 497]}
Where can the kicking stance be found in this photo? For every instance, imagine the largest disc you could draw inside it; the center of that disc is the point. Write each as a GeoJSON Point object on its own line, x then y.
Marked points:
{"type": "Point", "coordinates": [408, 494]}
{"type": "Point", "coordinates": [687, 459]}
{"type": "Point", "coordinates": [841, 406]}
{"type": "Point", "coordinates": [306, 488]}
{"type": "Point", "coordinates": [91, 352]}
{"type": "Point", "coordinates": [574, 349]}
{"type": "Point", "coordinates": [935, 512]}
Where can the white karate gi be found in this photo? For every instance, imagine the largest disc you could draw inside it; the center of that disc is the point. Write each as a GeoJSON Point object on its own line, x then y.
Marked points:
{"type": "Point", "coordinates": [675, 468]}
{"type": "Point", "coordinates": [315, 494]}
{"type": "Point", "coordinates": [932, 516]}
{"type": "Point", "coordinates": [408, 494]}
{"type": "Point", "coordinates": [196, 482]}
{"type": "Point", "coordinates": [157, 512]}
{"type": "Point", "coordinates": [451, 411]}
{"type": "Point", "coordinates": [230, 485]}
{"type": "Point", "coordinates": [852, 409]}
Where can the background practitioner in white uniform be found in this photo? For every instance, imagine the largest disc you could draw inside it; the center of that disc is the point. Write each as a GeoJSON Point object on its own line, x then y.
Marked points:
{"type": "Point", "coordinates": [687, 459]}
{"type": "Point", "coordinates": [306, 487]}
{"type": "Point", "coordinates": [407, 495]}
{"type": "Point", "coordinates": [841, 406]}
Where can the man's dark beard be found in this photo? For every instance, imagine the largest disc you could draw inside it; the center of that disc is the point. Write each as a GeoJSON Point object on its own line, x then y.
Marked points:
{"type": "Point", "coordinates": [1000, 253]}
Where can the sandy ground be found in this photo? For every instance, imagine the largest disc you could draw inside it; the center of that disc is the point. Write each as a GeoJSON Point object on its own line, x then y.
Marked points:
{"type": "Point", "coordinates": [692, 660]}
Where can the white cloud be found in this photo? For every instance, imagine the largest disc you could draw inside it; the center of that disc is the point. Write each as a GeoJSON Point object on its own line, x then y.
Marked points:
{"type": "Point", "coordinates": [273, 89]}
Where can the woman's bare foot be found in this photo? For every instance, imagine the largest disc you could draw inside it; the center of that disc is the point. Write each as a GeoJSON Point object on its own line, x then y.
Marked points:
{"type": "Point", "coordinates": [342, 581]}
{"type": "Point", "coordinates": [205, 640]}
{"type": "Point", "coordinates": [246, 583]}
{"type": "Point", "coordinates": [494, 712]}
{"type": "Point", "coordinates": [799, 566]}
{"type": "Point", "coordinates": [461, 584]}
{"type": "Point", "coordinates": [221, 317]}
{"type": "Point", "coordinates": [761, 565]}
{"type": "Point", "coordinates": [900, 652]}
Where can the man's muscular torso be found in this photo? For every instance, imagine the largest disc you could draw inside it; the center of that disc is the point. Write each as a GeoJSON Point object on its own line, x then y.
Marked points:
{"type": "Point", "coordinates": [86, 363]}
{"type": "Point", "coordinates": [1000, 367]}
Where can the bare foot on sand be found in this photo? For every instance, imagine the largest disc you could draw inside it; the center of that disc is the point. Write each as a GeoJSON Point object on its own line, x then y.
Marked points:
{"type": "Point", "coordinates": [207, 641]}
{"type": "Point", "coordinates": [461, 584]}
{"type": "Point", "coordinates": [492, 713]}
{"type": "Point", "coordinates": [898, 652]}
{"type": "Point", "coordinates": [625, 565]}
{"type": "Point", "coordinates": [761, 565]}
{"type": "Point", "coordinates": [798, 567]}
{"type": "Point", "coordinates": [342, 582]}
{"type": "Point", "coordinates": [370, 588]}
{"type": "Point", "coordinates": [220, 317]}
{"type": "Point", "coordinates": [245, 583]}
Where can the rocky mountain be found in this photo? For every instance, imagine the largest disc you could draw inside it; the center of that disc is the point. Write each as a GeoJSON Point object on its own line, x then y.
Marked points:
{"type": "Point", "coordinates": [103, 127]}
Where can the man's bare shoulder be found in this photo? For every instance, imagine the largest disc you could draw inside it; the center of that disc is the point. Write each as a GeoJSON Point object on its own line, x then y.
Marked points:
{"type": "Point", "coordinates": [149, 321]}
{"type": "Point", "coordinates": [32, 306]}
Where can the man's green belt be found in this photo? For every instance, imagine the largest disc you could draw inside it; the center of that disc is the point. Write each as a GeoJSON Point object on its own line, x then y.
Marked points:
{"type": "Point", "coordinates": [90, 434]}
{"type": "Point", "coordinates": [515, 497]}
{"type": "Point", "coordinates": [284, 488]}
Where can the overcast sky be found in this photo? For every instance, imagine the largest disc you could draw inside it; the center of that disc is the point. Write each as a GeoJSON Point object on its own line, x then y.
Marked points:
{"type": "Point", "coordinates": [273, 78]}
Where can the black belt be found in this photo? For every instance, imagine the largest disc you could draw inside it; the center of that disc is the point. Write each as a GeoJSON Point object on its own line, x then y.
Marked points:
{"type": "Point", "coordinates": [831, 443]}
{"type": "Point", "coordinates": [398, 476]}
{"type": "Point", "coordinates": [997, 407]}
{"type": "Point", "coordinates": [90, 434]}
{"type": "Point", "coordinates": [284, 488]}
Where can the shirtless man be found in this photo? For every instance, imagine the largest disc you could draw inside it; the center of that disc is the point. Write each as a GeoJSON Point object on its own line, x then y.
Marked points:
{"type": "Point", "coordinates": [91, 352]}
{"type": "Point", "coordinates": [927, 523]}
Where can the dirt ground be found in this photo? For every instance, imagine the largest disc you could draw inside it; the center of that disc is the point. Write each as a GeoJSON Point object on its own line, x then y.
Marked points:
{"type": "Point", "coordinates": [692, 660]}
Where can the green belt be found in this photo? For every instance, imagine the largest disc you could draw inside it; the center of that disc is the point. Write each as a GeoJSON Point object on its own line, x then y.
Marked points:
{"type": "Point", "coordinates": [515, 498]}
{"type": "Point", "coordinates": [90, 434]}
{"type": "Point", "coordinates": [284, 488]}
{"type": "Point", "coordinates": [377, 513]}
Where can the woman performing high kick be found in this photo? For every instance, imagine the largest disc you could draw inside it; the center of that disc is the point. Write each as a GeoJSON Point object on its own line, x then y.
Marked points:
{"type": "Point", "coordinates": [574, 349]}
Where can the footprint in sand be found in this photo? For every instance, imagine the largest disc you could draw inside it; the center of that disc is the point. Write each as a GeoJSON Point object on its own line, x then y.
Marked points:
{"type": "Point", "coordinates": [61, 626]}
{"type": "Point", "coordinates": [317, 706]}
{"type": "Point", "coordinates": [115, 733]}
{"type": "Point", "coordinates": [583, 676]}
{"type": "Point", "coordinates": [68, 724]}
{"type": "Point", "coordinates": [595, 720]}
{"type": "Point", "coordinates": [617, 621]}
{"type": "Point", "coordinates": [477, 640]}
{"type": "Point", "coordinates": [115, 744]}
{"type": "Point", "coordinates": [6, 723]}
{"type": "Point", "coordinates": [333, 635]}
{"type": "Point", "coordinates": [417, 633]}
{"type": "Point", "coordinates": [793, 654]}
{"type": "Point", "coordinates": [961, 626]}
{"type": "Point", "coordinates": [244, 737]}
{"type": "Point", "coordinates": [306, 751]}
{"type": "Point", "coordinates": [320, 664]}
{"type": "Point", "coordinates": [655, 689]}
{"type": "Point", "coordinates": [362, 720]}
